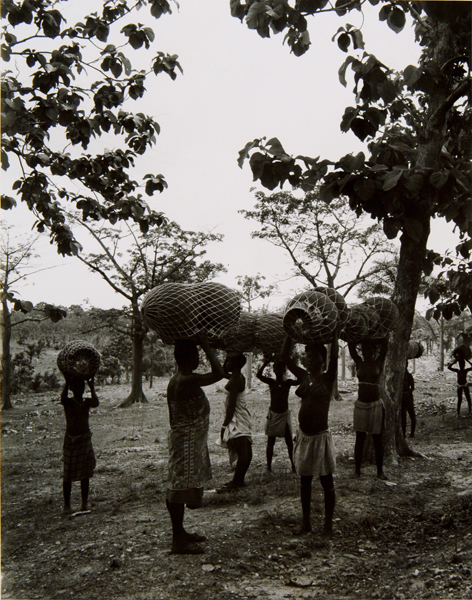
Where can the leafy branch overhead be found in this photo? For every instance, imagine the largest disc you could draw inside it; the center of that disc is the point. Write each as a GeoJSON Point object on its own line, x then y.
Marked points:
{"type": "Point", "coordinates": [416, 123]}
{"type": "Point", "coordinates": [65, 92]}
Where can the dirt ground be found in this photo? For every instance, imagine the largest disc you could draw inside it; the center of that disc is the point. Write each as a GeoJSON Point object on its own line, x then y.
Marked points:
{"type": "Point", "coordinates": [410, 537]}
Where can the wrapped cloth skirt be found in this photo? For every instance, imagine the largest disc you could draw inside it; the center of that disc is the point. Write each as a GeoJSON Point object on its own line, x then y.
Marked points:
{"type": "Point", "coordinates": [189, 462]}
{"type": "Point", "coordinates": [314, 455]}
{"type": "Point", "coordinates": [78, 457]}
{"type": "Point", "coordinates": [369, 416]}
{"type": "Point", "coordinates": [276, 423]}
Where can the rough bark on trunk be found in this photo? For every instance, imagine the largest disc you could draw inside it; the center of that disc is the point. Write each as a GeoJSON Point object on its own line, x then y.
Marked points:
{"type": "Point", "coordinates": [6, 357]}
{"type": "Point", "coordinates": [406, 291]}
{"type": "Point", "coordinates": [412, 251]}
{"type": "Point", "coordinates": [139, 333]}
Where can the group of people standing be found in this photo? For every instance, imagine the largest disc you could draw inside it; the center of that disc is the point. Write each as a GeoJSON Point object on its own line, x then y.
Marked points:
{"type": "Point", "coordinates": [311, 451]}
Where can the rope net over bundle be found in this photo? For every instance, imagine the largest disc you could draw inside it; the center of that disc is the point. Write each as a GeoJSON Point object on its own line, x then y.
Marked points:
{"type": "Point", "coordinates": [310, 317]}
{"type": "Point", "coordinates": [79, 358]}
{"type": "Point", "coordinates": [372, 319]}
{"type": "Point", "coordinates": [269, 332]}
{"type": "Point", "coordinates": [388, 314]}
{"type": "Point", "coordinates": [339, 301]}
{"type": "Point", "coordinates": [182, 310]}
{"type": "Point", "coordinates": [355, 328]}
{"type": "Point", "coordinates": [240, 337]}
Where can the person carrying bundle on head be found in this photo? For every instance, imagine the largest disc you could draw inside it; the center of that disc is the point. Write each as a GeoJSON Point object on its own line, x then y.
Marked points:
{"type": "Point", "coordinates": [369, 412]}
{"type": "Point", "coordinates": [78, 455]}
{"type": "Point", "coordinates": [279, 417]}
{"type": "Point", "coordinates": [236, 429]}
{"type": "Point", "coordinates": [189, 460]}
{"type": "Point", "coordinates": [408, 405]}
{"type": "Point", "coordinates": [462, 384]}
{"type": "Point", "coordinates": [314, 453]}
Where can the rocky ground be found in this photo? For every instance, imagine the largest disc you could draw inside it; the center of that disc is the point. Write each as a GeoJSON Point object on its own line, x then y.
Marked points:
{"type": "Point", "coordinates": [409, 537]}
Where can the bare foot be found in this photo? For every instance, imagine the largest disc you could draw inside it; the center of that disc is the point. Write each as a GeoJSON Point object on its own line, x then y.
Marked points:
{"type": "Point", "coordinates": [327, 532]}
{"type": "Point", "coordinates": [229, 487]}
{"type": "Point", "coordinates": [186, 547]}
{"type": "Point", "coordinates": [303, 530]}
{"type": "Point", "coordinates": [67, 511]}
{"type": "Point", "coordinates": [382, 476]}
{"type": "Point", "coordinates": [357, 474]}
{"type": "Point", "coordinates": [195, 537]}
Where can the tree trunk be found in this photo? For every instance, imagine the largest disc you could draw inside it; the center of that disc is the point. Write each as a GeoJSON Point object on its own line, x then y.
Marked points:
{"type": "Point", "coordinates": [249, 371]}
{"type": "Point", "coordinates": [441, 344]}
{"type": "Point", "coordinates": [406, 290]}
{"type": "Point", "coordinates": [139, 333]}
{"type": "Point", "coordinates": [6, 356]}
{"type": "Point", "coordinates": [413, 251]}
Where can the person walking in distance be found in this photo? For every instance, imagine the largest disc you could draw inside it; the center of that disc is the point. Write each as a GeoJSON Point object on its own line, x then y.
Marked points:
{"type": "Point", "coordinates": [462, 384]}
{"type": "Point", "coordinates": [408, 405]}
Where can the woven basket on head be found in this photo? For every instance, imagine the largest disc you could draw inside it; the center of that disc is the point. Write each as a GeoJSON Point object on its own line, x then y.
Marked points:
{"type": "Point", "coordinates": [269, 332]}
{"type": "Point", "coordinates": [310, 317]}
{"type": "Point", "coordinates": [181, 310]}
{"type": "Point", "coordinates": [355, 328]}
{"type": "Point", "coordinates": [79, 358]}
{"type": "Point", "coordinates": [415, 350]}
{"type": "Point", "coordinates": [240, 337]}
{"type": "Point", "coordinates": [338, 299]}
{"type": "Point", "coordinates": [388, 314]}
{"type": "Point", "coordinates": [462, 352]}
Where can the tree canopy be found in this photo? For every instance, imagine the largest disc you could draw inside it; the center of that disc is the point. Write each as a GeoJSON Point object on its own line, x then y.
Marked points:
{"type": "Point", "coordinates": [68, 87]}
{"type": "Point", "coordinates": [417, 128]}
{"type": "Point", "coordinates": [416, 123]}
{"type": "Point", "coordinates": [321, 239]}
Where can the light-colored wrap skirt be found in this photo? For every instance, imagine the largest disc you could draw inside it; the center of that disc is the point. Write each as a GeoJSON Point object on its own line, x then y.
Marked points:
{"type": "Point", "coordinates": [314, 455]}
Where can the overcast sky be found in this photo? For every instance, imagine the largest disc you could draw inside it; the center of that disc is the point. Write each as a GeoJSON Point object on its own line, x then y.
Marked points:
{"type": "Point", "coordinates": [236, 87]}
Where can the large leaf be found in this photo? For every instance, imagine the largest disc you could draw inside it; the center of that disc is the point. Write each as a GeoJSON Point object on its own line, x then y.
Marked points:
{"type": "Point", "coordinates": [396, 19]}
{"type": "Point", "coordinates": [7, 202]}
{"type": "Point", "coordinates": [365, 189]}
{"type": "Point", "coordinates": [391, 227]}
{"type": "Point", "coordinates": [391, 179]}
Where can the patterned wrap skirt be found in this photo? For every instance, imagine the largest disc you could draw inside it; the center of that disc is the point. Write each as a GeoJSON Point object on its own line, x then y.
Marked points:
{"type": "Point", "coordinates": [314, 455]}
{"type": "Point", "coordinates": [369, 416]}
{"type": "Point", "coordinates": [189, 461]}
{"type": "Point", "coordinates": [78, 457]}
{"type": "Point", "coordinates": [276, 423]}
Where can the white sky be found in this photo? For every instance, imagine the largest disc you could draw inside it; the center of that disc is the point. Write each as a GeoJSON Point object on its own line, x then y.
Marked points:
{"type": "Point", "coordinates": [236, 87]}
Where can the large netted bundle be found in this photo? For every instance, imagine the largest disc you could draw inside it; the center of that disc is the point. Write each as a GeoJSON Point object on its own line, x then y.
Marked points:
{"type": "Point", "coordinates": [181, 310]}
{"type": "Point", "coordinates": [372, 319]}
{"type": "Point", "coordinates": [239, 337]}
{"type": "Point", "coordinates": [79, 358]}
{"type": "Point", "coordinates": [355, 329]}
{"type": "Point", "coordinates": [310, 317]}
{"type": "Point", "coordinates": [339, 301]}
{"type": "Point", "coordinates": [269, 332]}
{"type": "Point", "coordinates": [415, 350]}
{"type": "Point", "coordinates": [388, 314]}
